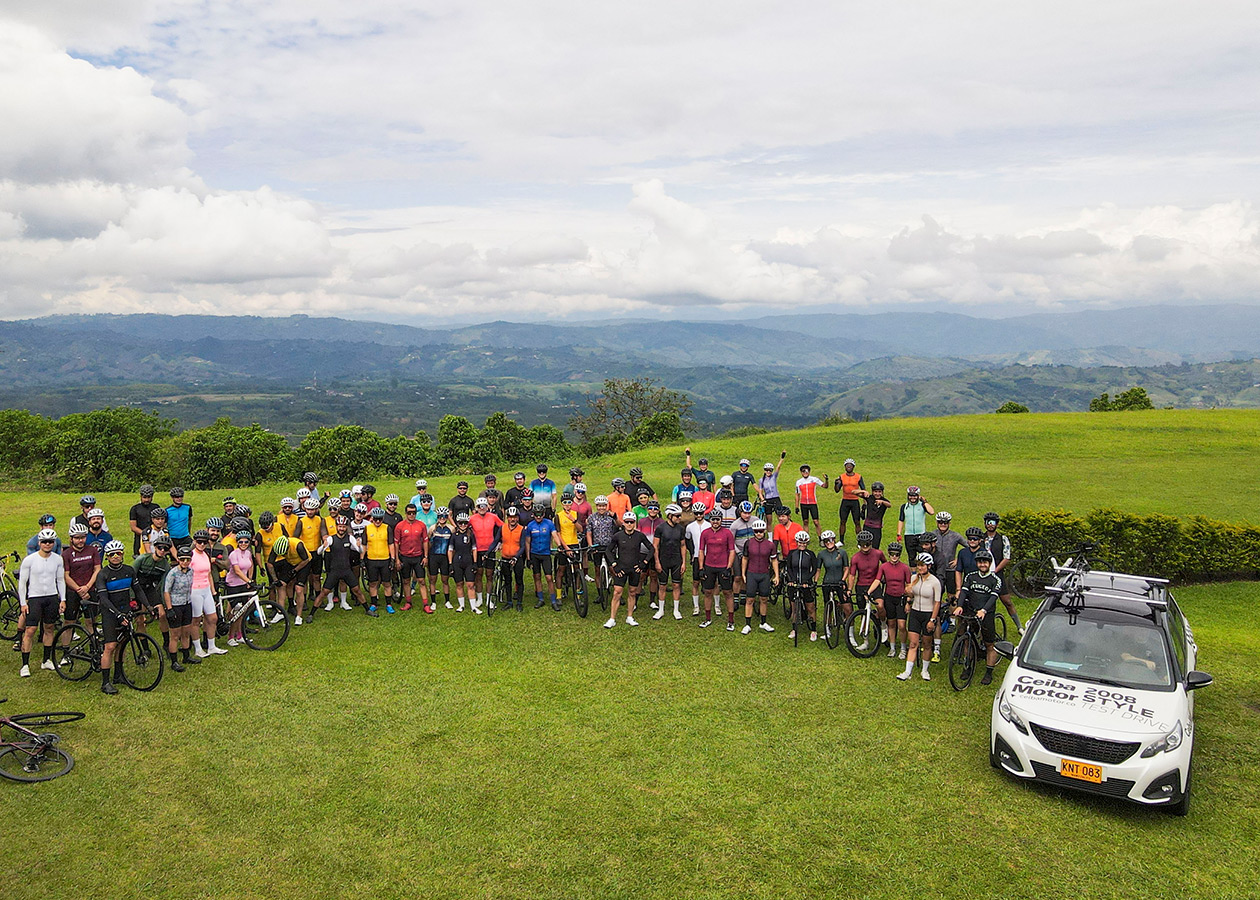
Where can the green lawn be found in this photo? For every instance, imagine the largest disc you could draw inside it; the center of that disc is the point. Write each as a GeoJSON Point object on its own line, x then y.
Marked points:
{"type": "Point", "coordinates": [536, 755]}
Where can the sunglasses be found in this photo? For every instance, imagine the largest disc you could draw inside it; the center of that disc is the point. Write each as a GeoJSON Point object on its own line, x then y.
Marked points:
{"type": "Point", "coordinates": [199, 540]}
{"type": "Point", "coordinates": [47, 541]}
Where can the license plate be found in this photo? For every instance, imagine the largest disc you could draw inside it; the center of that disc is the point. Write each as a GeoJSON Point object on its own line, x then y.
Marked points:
{"type": "Point", "coordinates": [1070, 768]}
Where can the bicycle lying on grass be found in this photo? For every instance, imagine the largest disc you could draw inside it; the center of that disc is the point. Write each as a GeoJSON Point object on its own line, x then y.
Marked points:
{"type": "Point", "coordinates": [31, 755]}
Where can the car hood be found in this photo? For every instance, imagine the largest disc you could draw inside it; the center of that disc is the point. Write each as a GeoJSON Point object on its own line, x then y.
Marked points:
{"type": "Point", "coordinates": [1084, 706]}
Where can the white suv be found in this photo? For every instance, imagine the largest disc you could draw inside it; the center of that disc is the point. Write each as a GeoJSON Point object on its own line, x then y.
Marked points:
{"type": "Point", "coordinates": [1099, 694]}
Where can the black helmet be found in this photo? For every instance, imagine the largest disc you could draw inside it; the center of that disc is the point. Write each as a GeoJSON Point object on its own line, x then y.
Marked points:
{"type": "Point", "coordinates": [928, 537]}
{"type": "Point", "coordinates": [894, 547]}
{"type": "Point", "coordinates": [47, 519]}
{"type": "Point", "coordinates": [267, 518]}
{"type": "Point", "coordinates": [201, 535]}
{"type": "Point", "coordinates": [865, 537]}
{"type": "Point", "coordinates": [240, 523]}
{"type": "Point", "coordinates": [974, 533]}
{"type": "Point", "coordinates": [158, 513]}
{"type": "Point", "coordinates": [636, 472]}
{"type": "Point", "coordinates": [163, 541]}
{"type": "Point", "coordinates": [877, 485]}
{"type": "Point", "coordinates": [311, 476]}
{"type": "Point", "coordinates": [540, 468]}
{"type": "Point", "coordinates": [984, 556]}
{"type": "Point", "coordinates": [177, 492]}
{"type": "Point", "coordinates": [369, 489]}
{"type": "Point", "coordinates": [575, 472]}
{"type": "Point", "coordinates": [992, 517]}
{"type": "Point", "coordinates": [686, 470]}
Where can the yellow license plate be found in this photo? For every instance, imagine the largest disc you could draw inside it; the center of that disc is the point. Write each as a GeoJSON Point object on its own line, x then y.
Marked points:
{"type": "Point", "coordinates": [1070, 768]}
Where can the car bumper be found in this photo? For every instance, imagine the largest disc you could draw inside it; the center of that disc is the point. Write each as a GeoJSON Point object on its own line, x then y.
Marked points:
{"type": "Point", "coordinates": [1157, 781]}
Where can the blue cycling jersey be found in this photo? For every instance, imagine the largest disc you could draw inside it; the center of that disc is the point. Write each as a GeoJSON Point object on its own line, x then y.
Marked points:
{"type": "Point", "coordinates": [538, 533]}
{"type": "Point", "coordinates": [544, 489]}
{"type": "Point", "coordinates": [440, 540]}
{"type": "Point", "coordinates": [178, 520]}
{"type": "Point", "coordinates": [101, 538]}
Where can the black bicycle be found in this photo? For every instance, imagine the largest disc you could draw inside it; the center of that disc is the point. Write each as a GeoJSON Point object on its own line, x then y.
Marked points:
{"type": "Point", "coordinates": [835, 596]}
{"type": "Point", "coordinates": [31, 755]}
{"type": "Point", "coordinates": [77, 654]}
{"type": "Point", "coordinates": [1029, 577]}
{"type": "Point", "coordinates": [10, 606]}
{"type": "Point", "coordinates": [573, 583]}
{"type": "Point", "coordinates": [968, 649]}
{"type": "Point", "coordinates": [798, 595]}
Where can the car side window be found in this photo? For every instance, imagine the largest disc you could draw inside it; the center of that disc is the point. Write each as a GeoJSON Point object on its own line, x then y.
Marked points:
{"type": "Point", "coordinates": [1177, 633]}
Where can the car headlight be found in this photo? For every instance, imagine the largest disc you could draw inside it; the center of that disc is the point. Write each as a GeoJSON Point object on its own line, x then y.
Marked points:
{"type": "Point", "coordinates": [1166, 744]}
{"type": "Point", "coordinates": [1008, 713]}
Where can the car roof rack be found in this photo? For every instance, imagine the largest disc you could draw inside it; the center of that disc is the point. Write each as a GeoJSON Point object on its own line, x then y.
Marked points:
{"type": "Point", "coordinates": [1076, 587]}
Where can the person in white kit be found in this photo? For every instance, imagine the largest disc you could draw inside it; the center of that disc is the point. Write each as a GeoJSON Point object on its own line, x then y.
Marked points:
{"type": "Point", "coordinates": [42, 595]}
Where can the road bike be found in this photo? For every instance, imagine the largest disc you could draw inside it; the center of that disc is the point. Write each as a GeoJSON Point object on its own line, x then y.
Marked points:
{"type": "Point", "coordinates": [603, 576]}
{"type": "Point", "coordinates": [500, 595]}
{"type": "Point", "coordinates": [968, 649]}
{"type": "Point", "coordinates": [864, 629]}
{"type": "Point", "coordinates": [77, 654]}
{"type": "Point", "coordinates": [30, 755]}
{"type": "Point", "coordinates": [572, 586]}
{"type": "Point", "coordinates": [835, 596]}
{"type": "Point", "coordinates": [798, 595]}
{"type": "Point", "coordinates": [264, 624]}
{"type": "Point", "coordinates": [1029, 577]}
{"type": "Point", "coordinates": [10, 607]}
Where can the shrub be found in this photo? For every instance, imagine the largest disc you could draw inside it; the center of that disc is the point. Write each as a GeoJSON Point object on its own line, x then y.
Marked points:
{"type": "Point", "coordinates": [1010, 406]}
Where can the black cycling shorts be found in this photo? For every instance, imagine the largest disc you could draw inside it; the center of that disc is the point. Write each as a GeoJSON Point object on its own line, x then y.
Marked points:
{"type": "Point", "coordinates": [42, 610]}
{"type": "Point", "coordinates": [335, 577]}
{"type": "Point", "coordinates": [758, 584]}
{"type": "Point", "coordinates": [851, 509]}
{"type": "Point", "coordinates": [411, 566]}
{"type": "Point", "coordinates": [285, 572]}
{"type": "Point", "coordinates": [672, 573]}
{"type": "Point", "coordinates": [809, 511]}
{"type": "Point", "coordinates": [463, 570]}
{"type": "Point", "coordinates": [894, 607]}
{"type": "Point", "coordinates": [74, 605]}
{"type": "Point", "coordinates": [543, 564]}
{"type": "Point", "coordinates": [917, 622]}
{"type": "Point", "coordinates": [316, 567]}
{"type": "Point", "coordinates": [378, 570]}
{"type": "Point", "coordinates": [621, 579]}
{"type": "Point", "coordinates": [712, 578]}
{"type": "Point", "coordinates": [179, 616]}
{"type": "Point", "coordinates": [439, 564]}
{"type": "Point", "coordinates": [486, 560]}
{"type": "Point", "coordinates": [111, 626]}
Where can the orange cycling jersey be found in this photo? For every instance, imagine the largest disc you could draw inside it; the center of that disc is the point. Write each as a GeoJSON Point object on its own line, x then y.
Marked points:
{"type": "Point", "coordinates": [511, 544]}
{"type": "Point", "coordinates": [618, 504]}
{"type": "Point", "coordinates": [850, 485]}
{"type": "Point", "coordinates": [785, 536]}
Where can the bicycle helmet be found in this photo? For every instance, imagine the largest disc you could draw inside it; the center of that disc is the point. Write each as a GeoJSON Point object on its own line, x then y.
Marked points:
{"type": "Point", "coordinates": [601, 500]}
{"type": "Point", "coordinates": [163, 541]}
{"type": "Point", "coordinates": [379, 513]}
{"type": "Point", "coordinates": [684, 471]}
{"type": "Point", "coordinates": [636, 472]}
{"type": "Point", "coordinates": [341, 521]}
{"type": "Point", "coordinates": [227, 500]}
{"type": "Point", "coordinates": [443, 511]}
{"type": "Point", "coordinates": [974, 533]}
{"type": "Point", "coordinates": [243, 537]}
{"type": "Point", "coordinates": [110, 549]}
{"type": "Point", "coordinates": [726, 481]}
{"type": "Point", "coordinates": [177, 492]}
{"type": "Point", "coordinates": [201, 535]}
{"type": "Point", "coordinates": [391, 498]}
{"type": "Point", "coordinates": [334, 504]}
{"type": "Point", "coordinates": [214, 522]}
{"type": "Point", "coordinates": [927, 537]}
{"type": "Point", "coordinates": [894, 548]}
{"type": "Point", "coordinates": [641, 493]}
{"type": "Point", "coordinates": [768, 467]}
{"type": "Point", "coordinates": [912, 491]}
{"type": "Point", "coordinates": [944, 517]}
{"type": "Point", "coordinates": [303, 493]}
{"type": "Point", "coordinates": [421, 484]}
{"type": "Point", "coordinates": [702, 461]}
{"type": "Point", "coordinates": [618, 482]}
{"type": "Point", "coordinates": [267, 518]}
{"type": "Point", "coordinates": [984, 556]}
{"type": "Point", "coordinates": [240, 523]}
{"type": "Point", "coordinates": [850, 461]}
{"type": "Point", "coordinates": [802, 537]}
{"type": "Point", "coordinates": [356, 490]}
{"type": "Point", "coordinates": [745, 506]}
{"type": "Point", "coordinates": [426, 498]}
{"type": "Point", "coordinates": [96, 513]}
{"type": "Point", "coordinates": [758, 525]}
{"type": "Point", "coordinates": [47, 519]}
{"type": "Point", "coordinates": [519, 475]}
{"type": "Point", "coordinates": [146, 490]}
{"type": "Point", "coordinates": [653, 504]}
{"type": "Point", "coordinates": [491, 479]}
{"type": "Point", "coordinates": [158, 513]}
{"type": "Point", "coordinates": [877, 485]}
{"type": "Point", "coordinates": [369, 489]}
{"type": "Point", "coordinates": [698, 508]}
{"type": "Point", "coordinates": [311, 477]}
{"type": "Point", "coordinates": [243, 509]}
{"type": "Point", "coordinates": [346, 494]}
{"type": "Point", "coordinates": [925, 559]}
{"type": "Point", "coordinates": [992, 517]}
{"type": "Point", "coordinates": [459, 484]}
{"type": "Point", "coordinates": [579, 488]}
{"type": "Point", "coordinates": [310, 504]}
{"type": "Point", "coordinates": [865, 537]}
{"type": "Point", "coordinates": [289, 502]}
{"type": "Point", "coordinates": [716, 517]}
{"type": "Point", "coordinates": [87, 500]}
{"type": "Point", "coordinates": [361, 507]}
{"type": "Point", "coordinates": [527, 494]}
{"type": "Point", "coordinates": [183, 551]}
{"type": "Point", "coordinates": [512, 511]}
{"type": "Point", "coordinates": [461, 519]}
{"type": "Point", "coordinates": [628, 516]}
{"type": "Point", "coordinates": [281, 546]}
{"type": "Point", "coordinates": [78, 529]}
{"type": "Point", "coordinates": [47, 534]}
{"type": "Point", "coordinates": [744, 462]}
{"type": "Point", "coordinates": [575, 472]}
{"type": "Point", "coordinates": [827, 535]}
{"type": "Point", "coordinates": [673, 510]}
{"type": "Point", "coordinates": [540, 468]}
{"type": "Point", "coordinates": [482, 503]}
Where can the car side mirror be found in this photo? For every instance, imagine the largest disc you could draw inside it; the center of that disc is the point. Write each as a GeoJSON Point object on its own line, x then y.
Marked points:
{"type": "Point", "coordinates": [1006, 650]}
{"type": "Point", "coordinates": [1196, 680]}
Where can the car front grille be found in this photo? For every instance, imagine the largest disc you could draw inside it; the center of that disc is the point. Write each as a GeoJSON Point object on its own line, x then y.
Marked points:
{"type": "Point", "coordinates": [1081, 747]}
{"type": "Point", "coordinates": [1112, 787]}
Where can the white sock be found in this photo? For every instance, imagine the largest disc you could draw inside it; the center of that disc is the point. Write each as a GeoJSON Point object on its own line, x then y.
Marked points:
{"type": "Point", "coordinates": [675, 606]}
{"type": "Point", "coordinates": [909, 668]}
{"type": "Point", "coordinates": [936, 644]}
{"type": "Point", "coordinates": [905, 648]}
{"type": "Point", "coordinates": [925, 664]}
{"type": "Point", "coordinates": [695, 601]}
{"type": "Point", "coordinates": [210, 644]}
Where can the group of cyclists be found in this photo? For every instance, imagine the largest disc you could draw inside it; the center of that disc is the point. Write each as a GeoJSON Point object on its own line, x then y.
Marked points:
{"type": "Point", "coordinates": [734, 535]}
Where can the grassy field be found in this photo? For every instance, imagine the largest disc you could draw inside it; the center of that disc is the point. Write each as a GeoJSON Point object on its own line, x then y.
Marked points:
{"type": "Point", "coordinates": [537, 755]}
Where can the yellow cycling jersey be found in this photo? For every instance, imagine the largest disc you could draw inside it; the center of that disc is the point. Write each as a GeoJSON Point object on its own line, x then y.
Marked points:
{"type": "Point", "coordinates": [378, 540]}
{"type": "Point", "coordinates": [268, 537]}
{"type": "Point", "coordinates": [310, 532]}
{"type": "Point", "coordinates": [290, 523]}
{"type": "Point", "coordinates": [568, 528]}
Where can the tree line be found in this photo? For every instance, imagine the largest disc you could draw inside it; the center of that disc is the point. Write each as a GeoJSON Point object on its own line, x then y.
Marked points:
{"type": "Point", "coordinates": [118, 448]}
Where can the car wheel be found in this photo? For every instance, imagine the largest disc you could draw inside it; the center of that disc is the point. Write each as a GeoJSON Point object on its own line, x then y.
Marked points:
{"type": "Point", "coordinates": [1182, 806]}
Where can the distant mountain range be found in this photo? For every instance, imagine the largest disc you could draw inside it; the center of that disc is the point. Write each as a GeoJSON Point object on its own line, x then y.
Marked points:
{"type": "Point", "coordinates": [785, 369]}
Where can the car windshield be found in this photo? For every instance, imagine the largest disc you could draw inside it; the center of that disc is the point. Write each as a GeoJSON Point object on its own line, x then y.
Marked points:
{"type": "Point", "coordinates": [1095, 645]}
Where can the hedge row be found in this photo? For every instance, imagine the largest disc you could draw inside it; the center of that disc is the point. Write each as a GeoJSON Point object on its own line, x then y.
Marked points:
{"type": "Point", "coordinates": [1180, 549]}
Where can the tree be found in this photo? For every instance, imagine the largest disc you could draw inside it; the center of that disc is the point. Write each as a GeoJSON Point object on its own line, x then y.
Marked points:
{"type": "Point", "coordinates": [1133, 398]}
{"type": "Point", "coordinates": [106, 449]}
{"type": "Point", "coordinates": [626, 403]}
{"type": "Point", "coordinates": [456, 440]}
{"type": "Point", "coordinates": [341, 453]}
{"type": "Point", "coordinates": [1010, 406]}
{"type": "Point", "coordinates": [661, 428]}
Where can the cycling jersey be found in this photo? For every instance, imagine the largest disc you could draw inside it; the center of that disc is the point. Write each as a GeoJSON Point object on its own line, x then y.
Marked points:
{"type": "Point", "coordinates": [999, 545]}
{"type": "Point", "coordinates": [600, 529]}
{"type": "Point", "coordinates": [850, 485]}
{"type": "Point", "coordinates": [487, 528]}
{"type": "Point", "coordinates": [410, 536]}
{"type": "Point", "coordinates": [741, 481]}
{"type": "Point", "coordinates": [635, 488]}
{"type": "Point", "coordinates": [428, 518]}
{"type": "Point", "coordinates": [980, 592]}
{"type": "Point", "coordinates": [567, 523]}
{"type": "Point", "coordinates": [116, 589]}
{"type": "Point", "coordinates": [785, 535]}
{"type": "Point", "coordinates": [743, 531]}
{"type": "Point", "coordinates": [440, 540]}
{"type": "Point", "coordinates": [178, 584]}
{"type": "Point", "coordinates": [463, 543]}
{"type": "Point", "coordinates": [297, 553]}
{"type": "Point", "coordinates": [392, 518]}
{"type": "Point", "coordinates": [729, 514]}
{"type": "Point", "coordinates": [684, 494]}
{"type": "Point", "coordinates": [80, 564]}
{"type": "Point", "coordinates": [708, 498]}
{"type": "Point", "coordinates": [584, 511]}
{"type": "Point", "coordinates": [716, 546]}
{"type": "Point", "coordinates": [873, 514]}
{"type": "Point", "coordinates": [865, 565]}
{"type": "Point", "coordinates": [947, 544]}
{"type": "Point", "coordinates": [544, 489]}
{"type": "Point", "coordinates": [694, 531]}
{"type": "Point", "coordinates": [289, 522]}
{"type": "Point", "coordinates": [379, 540]}
{"type": "Point", "coordinates": [267, 537]}
{"type": "Point", "coordinates": [648, 526]}
{"type": "Point", "coordinates": [835, 564]}
{"type": "Point", "coordinates": [460, 503]}
{"type": "Point", "coordinates": [510, 546]}
{"type": "Point", "coordinates": [150, 572]}
{"type": "Point", "coordinates": [141, 515]}
{"type": "Point", "coordinates": [311, 532]}
{"type": "Point", "coordinates": [759, 552]}
{"type": "Point", "coordinates": [618, 504]}
{"type": "Point", "coordinates": [894, 576]}
{"type": "Point", "coordinates": [807, 489]}
{"type": "Point", "coordinates": [769, 486]}
{"type": "Point", "coordinates": [242, 559]}
{"type": "Point", "coordinates": [178, 519]}
{"type": "Point", "coordinates": [801, 566]}
{"type": "Point", "coordinates": [201, 566]}
{"type": "Point", "coordinates": [339, 551]}
{"type": "Point", "coordinates": [669, 540]}
{"type": "Point", "coordinates": [538, 535]}
{"type": "Point", "coordinates": [925, 593]}
{"type": "Point", "coordinates": [628, 550]}
{"type": "Point", "coordinates": [101, 538]}
{"type": "Point", "coordinates": [704, 477]}
{"type": "Point", "coordinates": [915, 517]}
{"type": "Point", "coordinates": [42, 576]}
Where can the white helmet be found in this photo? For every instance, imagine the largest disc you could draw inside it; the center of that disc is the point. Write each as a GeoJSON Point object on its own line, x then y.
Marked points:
{"type": "Point", "coordinates": [580, 487]}
{"type": "Point", "coordinates": [628, 516]}
{"type": "Point", "coordinates": [673, 510]}
{"type": "Point", "coordinates": [47, 534]}
{"type": "Point", "coordinates": [726, 481]}
{"type": "Point", "coordinates": [288, 501]}
{"type": "Point", "coordinates": [758, 524]}
{"type": "Point", "coordinates": [482, 502]}
{"type": "Point", "coordinates": [828, 535]}
{"type": "Point", "coordinates": [310, 504]}
{"type": "Point", "coordinates": [357, 489]}
{"type": "Point", "coordinates": [802, 537]}
{"type": "Point", "coordinates": [114, 547]}
{"type": "Point", "coordinates": [925, 558]}
{"type": "Point", "coordinates": [303, 493]}
{"type": "Point", "coordinates": [601, 500]}
{"type": "Point", "coordinates": [96, 513]}
{"type": "Point", "coordinates": [77, 529]}
{"type": "Point", "coordinates": [421, 484]}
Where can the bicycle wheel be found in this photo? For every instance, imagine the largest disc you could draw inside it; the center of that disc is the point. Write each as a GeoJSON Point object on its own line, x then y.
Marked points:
{"type": "Point", "coordinates": [581, 602]}
{"type": "Point", "coordinates": [265, 627]}
{"type": "Point", "coordinates": [30, 761]}
{"type": "Point", "coordinates": [10, 612]}
{"type": "Point", "coordinates": [999, 626]}
{"type": "Point", "coordinates": [862, 633]}
{"type": "Point", "coordinates": [783, 598]}
{"type": "Point", "coordinates": [798, 618]}
{"type": "Point", "coordinates": [142, 662]}
{"type": "Point", "coordinates": [1030, 577]}
{"type": "Point", "coordinates": [44, 720]}
{"type": "Point", "coordinates": [78, 658]}
{"type": "Point", "coordinates": [603, 585]}
{"type": "Point", "coordinates": [495, 594]}
{"type": "Point", "coordinates": [962, 662]}
{"type": "Point", "coordinates": [831, 623]}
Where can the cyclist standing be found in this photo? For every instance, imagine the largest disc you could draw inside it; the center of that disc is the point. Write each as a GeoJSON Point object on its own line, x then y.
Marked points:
{"type": "Point", "coordinates": [381, 555]}
{"type": "Point", "coordinates": [742, 529]}
{"type": "Point", "coordinates": [668, 545]}
{"type": "Point", "coordinates": [978, 597]}
{"type": "Point", "coordinates": [512, 555]}
{"type": "Point", "coordinates": [439, 558]}
{"type": "Point", "coordinates": [912, 520]}
{"type": "Point", "coordinates": [411, 537]}
{"type": "Point", "coordinates": [685, 490]}
{"type": "Point", "coordinates": [151, 569]}
{"type": "Point", "coordinates": [119, 598]}
{"type": "Point", "coordinates": [850, 486]}
{"type": "Point", "coordinates": [807, 497]}
{"type": "Point", "coordinates": [703, 475]}
{"type": "Point", "coordinates": [83, 563]}
{"type": "Point", "coordinates": [761, 572]}
{"type": "Point", "coordinates": [923, 609]}
{"type": "Point", "coordinates": [695, 528]}
{"type": "Point", "coordinates": [539, 537]}
{"type": "Point", "coordinates": [544, 488]}
{"type": "Point", "coordinates": [800, 569]}
{"type": "Point", "coordinates": [768, 485]}
{"type": "Point", "coordinates": [42, 597]}
{"type": "Point", "coordinates": [743, 481]}
{"type": "Point", "coordinates": [619, 501]}
{"type": "Point", "coordinates": [341, 548]}
{"type": "Point", "coordinates": [627, 553]}
{"type": "Point", "coordinates": [463, 555]}
{"type": "Point", "coordinates": [874, 505]}
{"type": "Point", "coordinates": [179, 519]}
{"type": "Point", "coordinates": [637, 485]}
{"type": "Point", "coordinates": [650, 581]}
{"type": "Point", "coordinates": [177, 599]}
{"type": "Point", "coordinates": [834, 560]}
{"type": "Point", "coordinates": [487, 528]}
{"type": "Point", "coordinates": [786, 531]}
{"type": "Point", "coordinates": [422, 489]}
{"type": "Point", "coordinates": [999, 546]}
{"type": "Point", "coordinates": [461, 502]}
{"type": "Point", "coordinates": [893, 576]}
{"type": "Point", "coordinates": [513, 495]}
{"type": "Point", "coordinates": [863, 569]}
{"type": "Point", "coordinates": [141, 517]}
{"type": "Point", "coordinates": [717, 558]}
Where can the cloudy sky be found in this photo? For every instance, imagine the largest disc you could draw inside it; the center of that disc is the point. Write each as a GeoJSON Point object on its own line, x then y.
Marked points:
{"type": "Point", "coordinates": [467, 160]}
